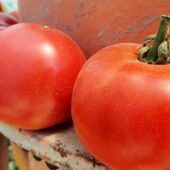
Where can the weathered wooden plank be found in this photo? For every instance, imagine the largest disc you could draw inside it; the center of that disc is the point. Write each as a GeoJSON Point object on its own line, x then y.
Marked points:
{"type": "Point", "coordinates": [58, 145]}
{"type": "Point", "coordinates": [3, 153]}
{"type": "Point", "coordinates": [38, 165]}
{"type": "Point", "coordinates": [20, 157]}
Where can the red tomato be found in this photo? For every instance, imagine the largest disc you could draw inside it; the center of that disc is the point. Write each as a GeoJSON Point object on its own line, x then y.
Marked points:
{"type": "Point", "coordinates": [38, 68]}
{"type": "Point", "coordinates": [7, 20]}
{"type": "Point", "coordinates": [15, 14]}
{"type": "Point", "coordinates": [121, 109]}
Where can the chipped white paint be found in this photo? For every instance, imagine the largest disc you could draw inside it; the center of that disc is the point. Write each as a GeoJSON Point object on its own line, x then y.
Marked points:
{"type": "Point", "coordinates": [59, 146]}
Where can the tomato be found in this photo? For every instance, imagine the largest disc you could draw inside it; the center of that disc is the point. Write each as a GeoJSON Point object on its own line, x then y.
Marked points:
{"type": "Point", "coordinates": [15, 14]}
{"type": "Point", "coordinates": [38, 68]}
{"type": "Point", "coordinates": [121, 110]}
{"type": "Point", "coordinates": [7, 20]}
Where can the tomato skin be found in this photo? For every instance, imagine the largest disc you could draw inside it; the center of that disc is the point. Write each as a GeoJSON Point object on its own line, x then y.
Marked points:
{"type": "Point", "coordinates": [38, 69]}
{"type": "Point", "coordinates": [7, 20]}
{"type": "Point", "coordinates": [121, 111]}
{"type": "Point", "coordinates": [15, 14]}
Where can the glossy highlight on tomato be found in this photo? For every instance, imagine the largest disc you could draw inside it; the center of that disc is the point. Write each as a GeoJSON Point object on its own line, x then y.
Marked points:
{"type": "Point", "coordinates": [121, 110]}
{"type": "Point", "coordinates": [38, 68]}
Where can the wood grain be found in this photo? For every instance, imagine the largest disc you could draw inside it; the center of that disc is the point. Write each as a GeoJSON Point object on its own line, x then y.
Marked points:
{"type": "Point", "coordinates": [3, 153]}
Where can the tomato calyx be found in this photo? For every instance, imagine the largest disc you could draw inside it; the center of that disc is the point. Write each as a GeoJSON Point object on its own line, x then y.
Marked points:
{"type": "Point", "coordinates": [159, 51]}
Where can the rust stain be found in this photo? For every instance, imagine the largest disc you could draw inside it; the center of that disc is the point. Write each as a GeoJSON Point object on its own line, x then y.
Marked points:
{"type": "Point", "coordinates": [88, 158]}
{"type": "Point", "coordinates": [19, 129]}
{"type": "Point", "coordinates": [62, 152]}
{"type": "Point", "coordinates": [60, 148]}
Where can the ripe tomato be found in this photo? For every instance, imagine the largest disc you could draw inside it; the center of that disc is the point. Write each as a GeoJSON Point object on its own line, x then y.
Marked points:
{"type": "Point", "coordinates": [15, 14]}
{"type": "Point", "coordinates": [121, 110]}
{"type": "Point", "coordinates": [7, 20]}
{"type": "Point", "coordinates": [38, 68]}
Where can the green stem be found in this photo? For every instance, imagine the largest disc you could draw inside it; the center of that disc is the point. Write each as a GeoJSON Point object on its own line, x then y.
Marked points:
{"type": "Point", "coordinates": [161, 36]}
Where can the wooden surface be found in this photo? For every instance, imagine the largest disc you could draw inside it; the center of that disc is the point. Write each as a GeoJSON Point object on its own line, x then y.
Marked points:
{"type": "Point", "coordinates": [58, 146]}
{"type": "Point", "coordinates": [3, 153]}
{"type": "Point", "coordinates": [20, 157]}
